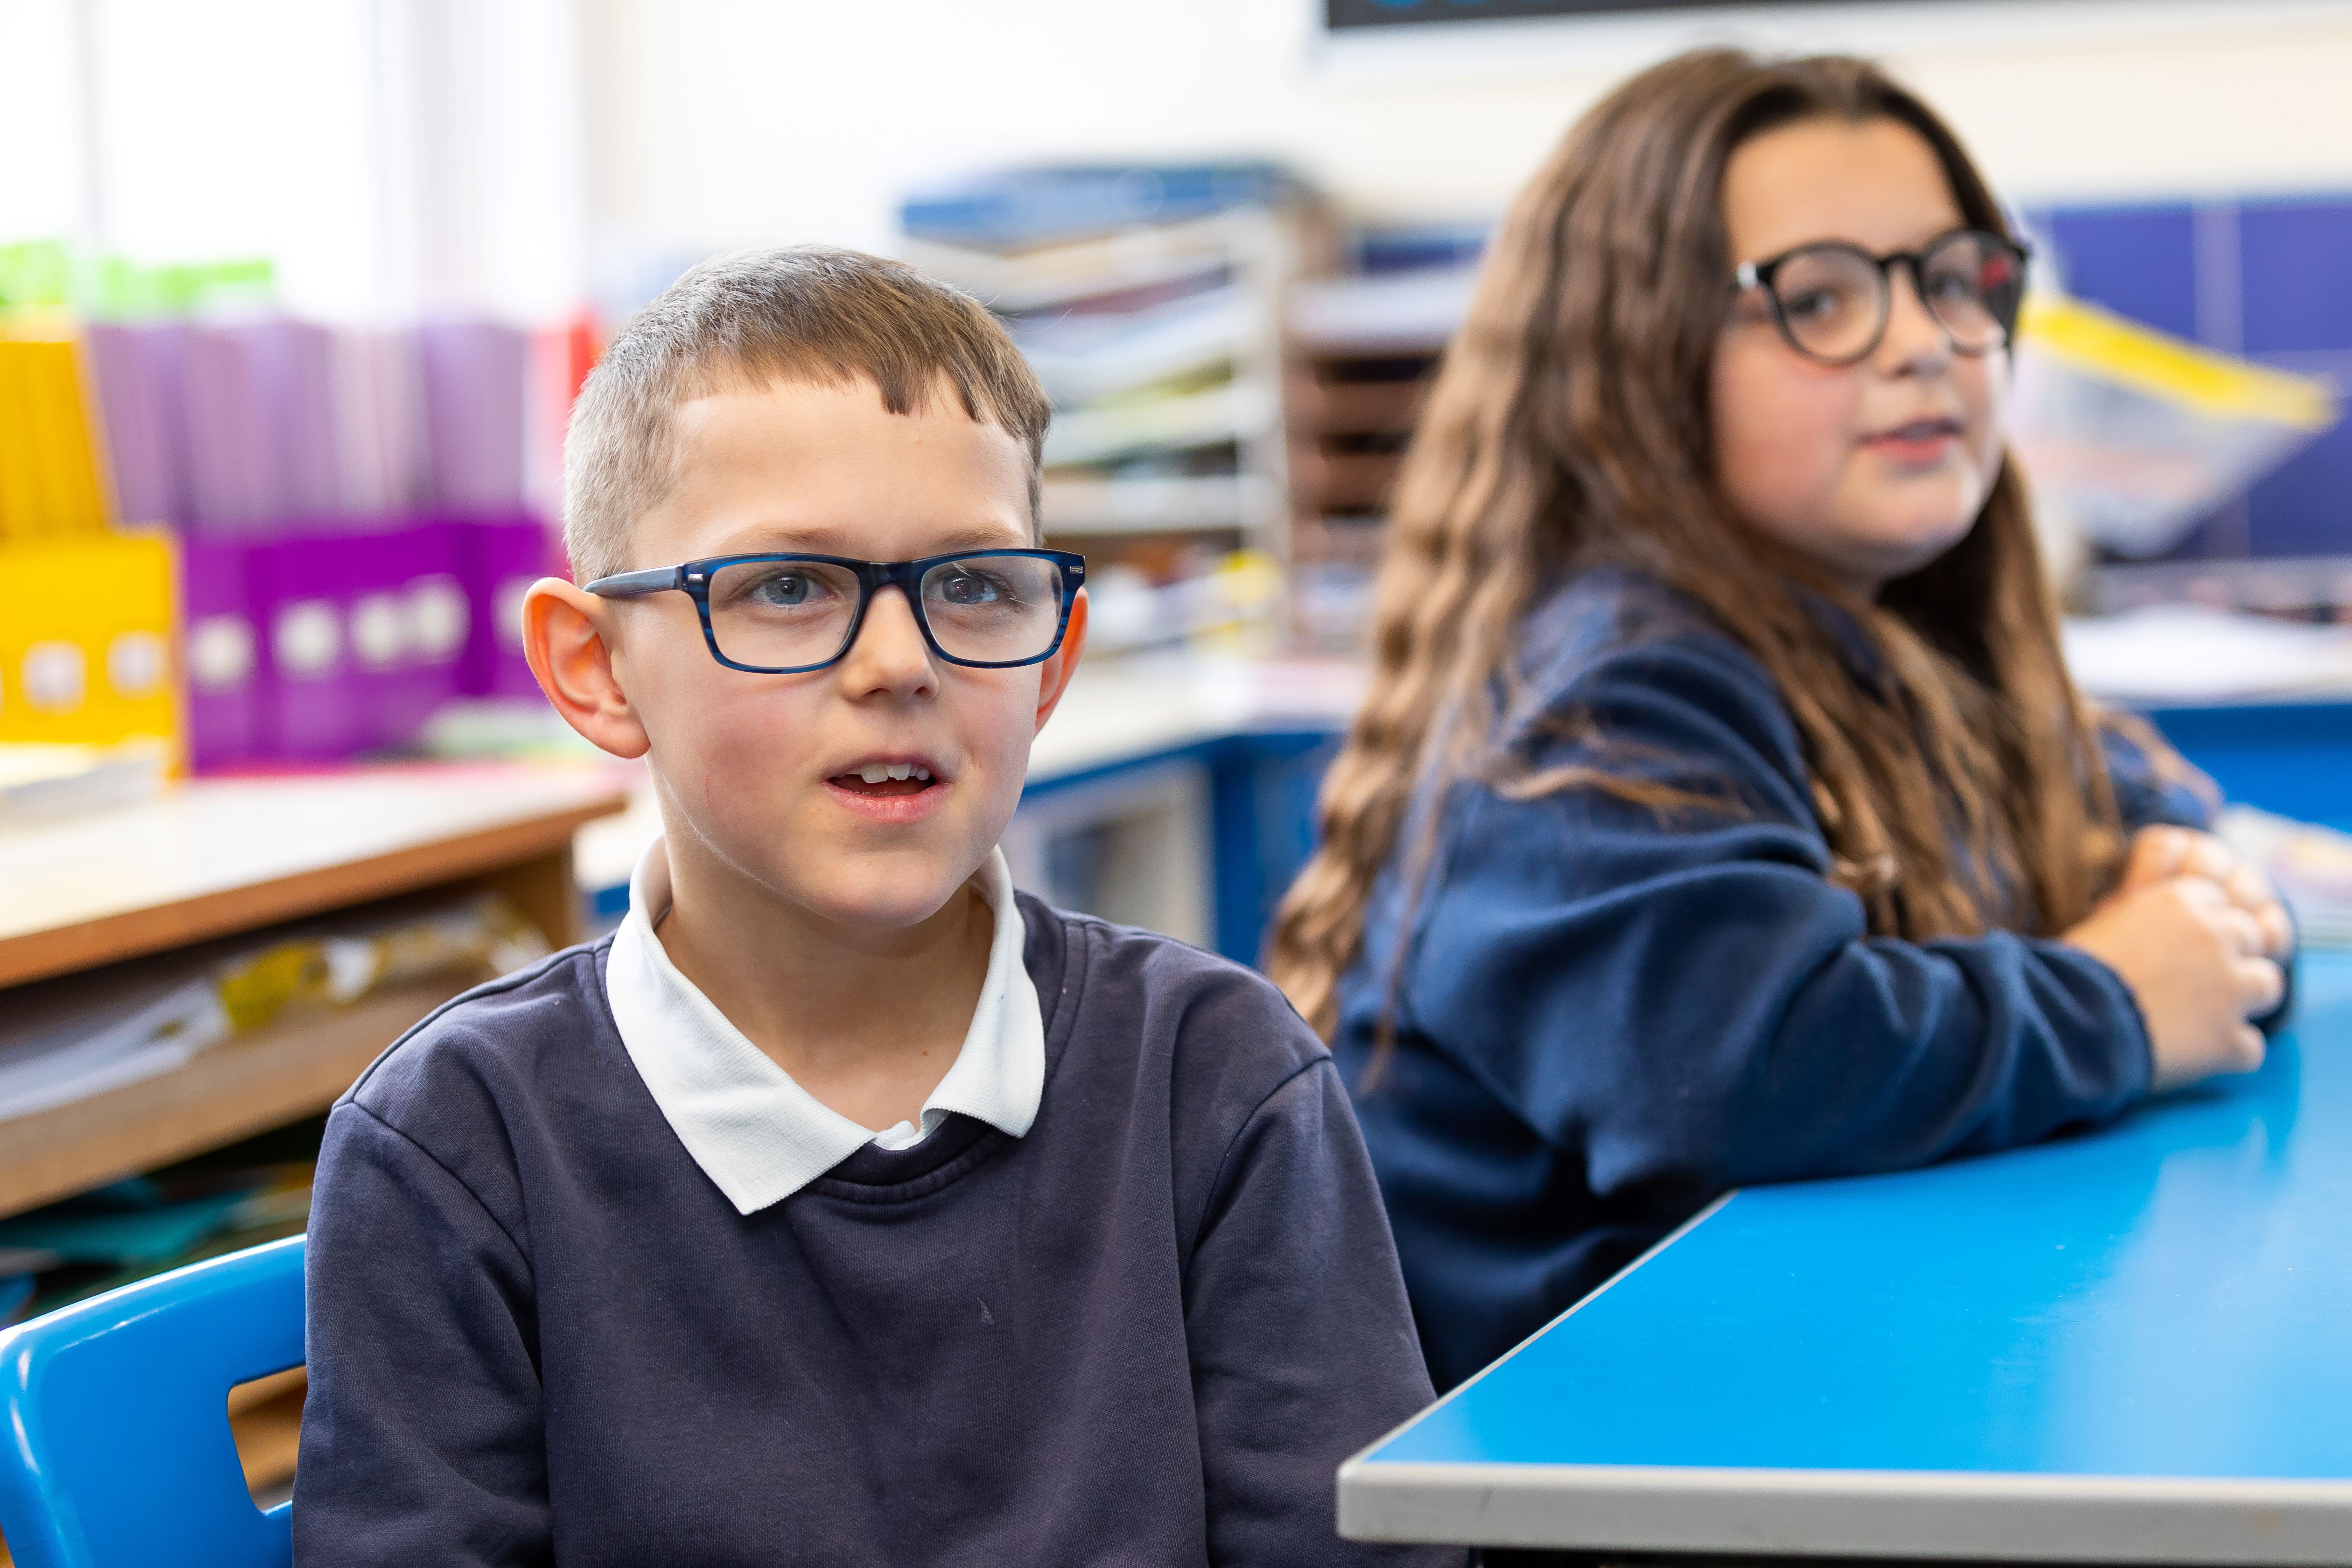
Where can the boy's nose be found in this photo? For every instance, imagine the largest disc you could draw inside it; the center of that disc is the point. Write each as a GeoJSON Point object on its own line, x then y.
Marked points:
{"type": "Point", "coordinates": [889, 654]}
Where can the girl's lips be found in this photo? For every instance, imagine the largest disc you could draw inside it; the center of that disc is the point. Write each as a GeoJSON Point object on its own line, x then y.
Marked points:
{"type": "Point", "coordinates": [1919, 441]}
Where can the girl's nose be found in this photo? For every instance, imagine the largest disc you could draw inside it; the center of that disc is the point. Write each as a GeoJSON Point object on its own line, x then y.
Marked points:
{"type": "Point", "coordinates": [1914, 341]}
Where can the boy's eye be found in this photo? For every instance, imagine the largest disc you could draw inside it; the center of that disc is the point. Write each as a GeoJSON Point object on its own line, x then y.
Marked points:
{"type": "Point", "coordinates": [785, 590]}
{"type": "Point", "coordinates": [963, 585]}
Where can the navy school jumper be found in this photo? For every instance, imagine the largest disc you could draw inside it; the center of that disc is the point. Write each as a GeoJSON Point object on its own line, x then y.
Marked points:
{"type": "Point", "coordinates": [1146, 1332]}
{"type": "Point", "coordinates": [1606, 1016]}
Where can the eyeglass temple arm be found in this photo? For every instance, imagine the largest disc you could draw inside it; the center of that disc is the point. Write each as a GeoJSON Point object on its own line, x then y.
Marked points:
{"type": "Point", "coordinates": [628, 584]}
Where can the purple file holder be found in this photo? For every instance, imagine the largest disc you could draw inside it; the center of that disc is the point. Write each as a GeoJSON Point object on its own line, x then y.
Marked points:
{"type": "Point", "coordinates": [303, 588]}
{"type": "Point", "coordinates": [365, 634]}
{"type": "Point", "coordinates": [501, 557]}
{"type": "Point", "coordinates": [338, 638]}
{"type": "Point", "coordinates": [410, 629]}
{"type": "Point", "coordinates": [227, 683]}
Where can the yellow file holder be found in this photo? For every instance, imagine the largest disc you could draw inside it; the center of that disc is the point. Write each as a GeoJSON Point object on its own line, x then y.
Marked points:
{"type": "Point", "coordinates": [88, 643]}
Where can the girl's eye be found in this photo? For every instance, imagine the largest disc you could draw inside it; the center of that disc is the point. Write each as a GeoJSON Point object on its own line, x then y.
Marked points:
{"type": "Point", "coordinates": [1812, 304]}
{"type": "Point", "coordinates": [1958, 286]}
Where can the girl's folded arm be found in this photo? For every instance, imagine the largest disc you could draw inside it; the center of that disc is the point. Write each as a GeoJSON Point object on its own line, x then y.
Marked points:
{"type": "Point", "coordinates": [2153, 788]}
{"type": "Point", "coordinates": [1685, 994]}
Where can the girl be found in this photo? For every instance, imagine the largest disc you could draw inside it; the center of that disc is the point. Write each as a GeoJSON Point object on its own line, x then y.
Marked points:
{"type": "Point", "coordinates": [1723, 813]}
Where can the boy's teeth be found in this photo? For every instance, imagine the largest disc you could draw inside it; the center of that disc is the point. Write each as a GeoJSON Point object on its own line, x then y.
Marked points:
{"type": "Point", "coordinates": [881, 772]}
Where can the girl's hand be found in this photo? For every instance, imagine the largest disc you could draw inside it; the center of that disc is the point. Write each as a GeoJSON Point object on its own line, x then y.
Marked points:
{"type": "Point", "coordinates": [2198, 965]}
{"type": "Point", "coordinates": [2161, 853]}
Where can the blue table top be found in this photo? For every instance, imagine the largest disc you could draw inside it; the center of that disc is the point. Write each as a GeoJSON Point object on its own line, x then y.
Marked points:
{"type": "Point", "coordinates": [2134, 1344]}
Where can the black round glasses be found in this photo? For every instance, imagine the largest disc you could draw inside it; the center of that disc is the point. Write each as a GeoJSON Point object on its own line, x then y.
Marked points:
{"type": "Point", "coordinates": [1831, 299]}
{"type": "Point", "coordinates": [788, 614]}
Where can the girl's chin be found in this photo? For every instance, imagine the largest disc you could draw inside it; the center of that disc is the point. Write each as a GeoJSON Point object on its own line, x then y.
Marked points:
{"type": "Point", "coordinates": [1914, 527]}
{"type": "Point", "coordinates": [1870, 556]}
{"type": "Point", "coordinates": [1901, 556]}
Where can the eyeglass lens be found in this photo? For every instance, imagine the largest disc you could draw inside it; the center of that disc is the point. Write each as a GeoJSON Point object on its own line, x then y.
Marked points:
{"type": "Point", "coordinates": [1835, 300]}
{"type": "Point", "coordinates": [785, 615]}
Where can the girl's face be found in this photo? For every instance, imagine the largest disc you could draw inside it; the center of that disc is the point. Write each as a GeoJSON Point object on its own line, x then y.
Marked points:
{"type": "Point", "coordinates": [1870, 469]}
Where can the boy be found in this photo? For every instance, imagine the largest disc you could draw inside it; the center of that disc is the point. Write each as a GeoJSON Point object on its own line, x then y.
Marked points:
{"type": "Point", "coordinates": [610, 1263]}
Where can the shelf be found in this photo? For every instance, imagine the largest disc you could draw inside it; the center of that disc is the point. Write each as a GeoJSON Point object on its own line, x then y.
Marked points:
{"type": "Point", "coordinates": [1382, 313]}
{"type": "Point", "coordinates": [1356, 408]}
{"type": "Point", "coordinates": [1118, 261]}
{"type": "Point", "coordinates": [288, 1070]}
{"type": "Point", "coordinates": [1076, 508]}
{"type": "Point", "coordinates": [1107, 432]}
{"type": "Point", "coordinates": [216, 856]}
{"type": "Point", "coordinates": [1343, 483]}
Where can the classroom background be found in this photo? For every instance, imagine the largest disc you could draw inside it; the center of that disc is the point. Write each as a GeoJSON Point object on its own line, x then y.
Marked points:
{"type": "Point", "coordinates": [295, 296]}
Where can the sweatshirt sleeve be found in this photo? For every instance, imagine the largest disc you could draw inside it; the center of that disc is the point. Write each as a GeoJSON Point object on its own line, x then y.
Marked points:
{"type": "Point", "coordinates": [2155, 788]}
{"type": "Point", "coordinates": [1303, 1347]}
{"type": "Point", "coordinates": [422, 1432]}
{"type": "Point", "coordinates": [1689, 998]}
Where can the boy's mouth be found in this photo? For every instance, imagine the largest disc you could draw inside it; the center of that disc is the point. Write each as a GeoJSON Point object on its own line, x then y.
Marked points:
{"type": "Point", "coordinates": [880, 779]}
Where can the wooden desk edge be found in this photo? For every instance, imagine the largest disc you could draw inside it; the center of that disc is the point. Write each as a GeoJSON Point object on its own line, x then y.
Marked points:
{"type": "Point", "coordinates": [157, 928]}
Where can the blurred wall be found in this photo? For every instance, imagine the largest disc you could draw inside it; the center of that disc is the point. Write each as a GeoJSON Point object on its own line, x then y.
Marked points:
{"type": "Point", "coordinates": [397, 157]}
{"type": "Point", "coordinates": [390, 156]}
{"type": "Point", "coordinates": [722, 123]}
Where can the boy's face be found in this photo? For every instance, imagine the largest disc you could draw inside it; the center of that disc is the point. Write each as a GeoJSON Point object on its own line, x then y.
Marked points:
{"type": "Point", "coordinates": [762, 772]}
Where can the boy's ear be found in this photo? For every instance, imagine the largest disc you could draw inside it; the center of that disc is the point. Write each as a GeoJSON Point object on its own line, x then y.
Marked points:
{"type": "Point", "coordinates": [1056, 672]}
{"type": "Point", "coordinates": [564, 632]}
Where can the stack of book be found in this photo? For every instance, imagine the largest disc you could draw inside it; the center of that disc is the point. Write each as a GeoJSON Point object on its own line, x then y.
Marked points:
{"type": "Point", "coordinates": [354, 510]}
{"type": "Point", "coordinates": [49, 483]}
{"type": "Point", "coordinates": [1149, 300]}
{"type": "Point", "coordinates": [85, 612]}
{"type": "Point", "coordinates": [2311, 866]}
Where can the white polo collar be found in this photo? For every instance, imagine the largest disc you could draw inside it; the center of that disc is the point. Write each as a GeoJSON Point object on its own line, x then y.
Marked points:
{"type": "Point", "coordinates": [756, 1134]}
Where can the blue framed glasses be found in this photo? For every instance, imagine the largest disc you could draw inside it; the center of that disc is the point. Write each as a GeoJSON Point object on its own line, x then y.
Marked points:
{"type": "Point", "coordinates": [788, 614]}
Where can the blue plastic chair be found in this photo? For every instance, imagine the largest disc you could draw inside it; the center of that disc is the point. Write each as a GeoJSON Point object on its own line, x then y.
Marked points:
{"type": "Point", "coordinates": [114, 1441]}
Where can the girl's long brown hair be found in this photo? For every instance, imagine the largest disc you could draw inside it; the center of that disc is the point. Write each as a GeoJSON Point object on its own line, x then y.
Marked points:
{"type": "Point", "coordinates": [1569, 426]}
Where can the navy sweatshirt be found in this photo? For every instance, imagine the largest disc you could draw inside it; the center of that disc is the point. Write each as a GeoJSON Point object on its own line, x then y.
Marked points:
{"type": "Point", "coordinates": [1146, 1333]}
{"type": "Point", "coordinates": [1606, 1016]}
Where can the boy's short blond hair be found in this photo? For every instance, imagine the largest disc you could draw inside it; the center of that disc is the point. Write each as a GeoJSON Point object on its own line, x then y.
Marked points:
{"type": "Point", "coordinates": [805, 314]}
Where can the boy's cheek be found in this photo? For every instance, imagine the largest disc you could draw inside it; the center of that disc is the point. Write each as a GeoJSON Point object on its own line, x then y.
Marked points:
{"type": "Point", "coordinates": [740, 756]}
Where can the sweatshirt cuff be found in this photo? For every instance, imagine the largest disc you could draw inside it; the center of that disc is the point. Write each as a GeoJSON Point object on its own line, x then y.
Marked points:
{"type": "Point", "coordinates": [2122, 1005]}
